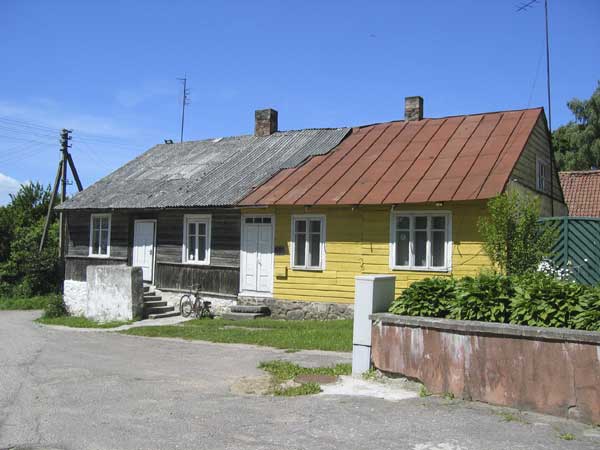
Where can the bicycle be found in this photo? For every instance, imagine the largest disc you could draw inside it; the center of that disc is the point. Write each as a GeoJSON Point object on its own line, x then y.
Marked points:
{"type": "Point", "coordinates": [192, 303]}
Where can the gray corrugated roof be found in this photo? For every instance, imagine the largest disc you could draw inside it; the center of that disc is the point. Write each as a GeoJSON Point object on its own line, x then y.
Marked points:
{"type": "Point", "coordinates": [213, 172]}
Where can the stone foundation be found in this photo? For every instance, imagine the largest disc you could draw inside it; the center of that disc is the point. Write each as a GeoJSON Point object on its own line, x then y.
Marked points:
{"type": "Point", "coordinates": [220, 304]}
{"type": "Point", "coordinates": [299, 310]}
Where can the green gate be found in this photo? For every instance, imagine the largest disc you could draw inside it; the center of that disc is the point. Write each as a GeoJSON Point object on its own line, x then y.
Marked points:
{"type": "Point", "coordinates": [577, 247]}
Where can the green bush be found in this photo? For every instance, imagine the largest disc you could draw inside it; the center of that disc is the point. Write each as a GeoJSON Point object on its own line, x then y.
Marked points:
{"type": "Point", "coordinates": [543, 301]}
{"type": "Point", "coordinates": [485, 297]}
{"type": "Point", "coordinates": [430, 297]}
{"type": "Point", "coordinates": [55, 307]}
{"type": "Point", "coordinates": [534, 299]}
{"type": "Point", "coordinates": [588, 311]}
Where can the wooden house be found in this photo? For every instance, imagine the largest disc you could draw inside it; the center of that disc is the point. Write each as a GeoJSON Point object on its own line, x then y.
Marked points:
{"type": "Point", "coordinates": [288, 219]}
{"type": "Point", "coordinates": [399, 198]}
{"type": "Point", "coordinates": [172, 210]}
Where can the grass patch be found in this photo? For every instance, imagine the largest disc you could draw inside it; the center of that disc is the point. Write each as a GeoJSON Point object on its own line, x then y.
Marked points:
{"type": "Point", "coordinates": [510, 417]}
{"type": "Point", "coordinates": [79, 322]}
{"type": "Point", "coordinates": [423, 392]}
{"type": "Point", "coordinates": [38, 302]}
{"type": "Point", "coordinates": [282, 371]}
{"type": "Point", "coordinates": [303, 389]}
{"type": "Point", "coordinates": [334, 335]}
{"type": "Point", "coordinates": [566, 436]}
{"type": "Point", "coordinates": [285, 370]}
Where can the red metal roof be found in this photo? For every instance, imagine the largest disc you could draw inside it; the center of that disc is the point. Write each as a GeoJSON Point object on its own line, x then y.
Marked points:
{"type": "Point", "coordinates": [582, 192]}
{"type": "Point", "coordinates": [430, 160]}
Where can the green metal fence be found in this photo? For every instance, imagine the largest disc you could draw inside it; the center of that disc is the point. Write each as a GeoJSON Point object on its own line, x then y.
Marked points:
{"type": "Point", "coordinates": [577, 247]}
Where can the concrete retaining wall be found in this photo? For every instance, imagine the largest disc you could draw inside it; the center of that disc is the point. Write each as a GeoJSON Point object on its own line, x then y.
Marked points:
{"type": "Point", "coordinates": [548, 370]}
{"type": "Point", "coordinates": [110, 293]}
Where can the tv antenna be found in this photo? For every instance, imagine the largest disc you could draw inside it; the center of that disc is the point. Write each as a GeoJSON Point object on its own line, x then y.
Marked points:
{"type": "Point", "coordinates": [184, 102]}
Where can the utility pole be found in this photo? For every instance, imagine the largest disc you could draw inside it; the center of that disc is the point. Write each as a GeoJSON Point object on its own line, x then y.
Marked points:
{"type": "Point", "coordinates": [184, 103]}
{"type": "Point", "coordinates": [61, 178]}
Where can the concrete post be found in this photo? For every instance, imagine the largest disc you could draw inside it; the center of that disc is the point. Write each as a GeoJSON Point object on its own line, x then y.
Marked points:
{"type": "Point", "coordinates": [373, 293]}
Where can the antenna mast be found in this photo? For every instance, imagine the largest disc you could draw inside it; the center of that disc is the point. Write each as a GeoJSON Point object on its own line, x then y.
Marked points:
{"type": "Point", "coordinates": [524, 7]}
{"type": "Point", "coordinates": [184, 103]}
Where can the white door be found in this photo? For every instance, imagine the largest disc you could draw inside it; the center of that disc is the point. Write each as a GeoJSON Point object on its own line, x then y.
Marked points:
{"type": "Point", "coordinates": [257, 254]}
{"type": "Point", "coordinates": [143, 247]}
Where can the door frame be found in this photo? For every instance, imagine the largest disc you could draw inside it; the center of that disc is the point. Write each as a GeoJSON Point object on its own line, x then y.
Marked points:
{"type": "Point", "coordinates": [243, 257]}
{"type": "Point", "coordinates": [154, 221]}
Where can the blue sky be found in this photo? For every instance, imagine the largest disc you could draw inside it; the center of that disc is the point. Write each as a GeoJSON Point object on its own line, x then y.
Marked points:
{"type": "Point", "coordinates": [108, 69]}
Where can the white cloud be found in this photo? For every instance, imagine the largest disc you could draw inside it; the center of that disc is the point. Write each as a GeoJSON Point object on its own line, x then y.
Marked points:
{"type": "Point", "coordinates": [8, 186]}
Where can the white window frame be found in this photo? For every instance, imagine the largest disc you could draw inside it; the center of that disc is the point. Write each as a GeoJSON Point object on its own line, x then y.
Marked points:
{"type": "Point", "coordinates": [541, 182]}
{"type": "Point", "coordinates": [322, 219]}
{"type": "Point", "coordinates": [411, 266]}
{"type": "Point", "coordinates": [91, 254]}
{"type": "Point", "coordinates": [196, 218]}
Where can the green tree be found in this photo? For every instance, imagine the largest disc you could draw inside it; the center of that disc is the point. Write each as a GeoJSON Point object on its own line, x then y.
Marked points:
{"type": "Point", "coordinates": [513, 238]}
{"type": "Point", "coordinates": [577, 144]}
{"type": "Point", "coordinates": [24, 270]}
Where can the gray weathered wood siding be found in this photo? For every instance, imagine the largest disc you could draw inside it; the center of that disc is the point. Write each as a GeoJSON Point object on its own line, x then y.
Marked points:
{"type": "Point", "coordinates": [524, 171]}
{"type": "Point", "coordinates": [221, 276]}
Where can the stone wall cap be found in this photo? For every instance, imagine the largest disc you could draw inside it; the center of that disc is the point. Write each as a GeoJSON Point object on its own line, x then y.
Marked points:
{"type": "Point", "coordinates": [500, 329]}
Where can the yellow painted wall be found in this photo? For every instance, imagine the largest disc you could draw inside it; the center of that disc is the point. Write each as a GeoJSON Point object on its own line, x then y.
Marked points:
{"type": "Point", "coordinates": [357, 242]}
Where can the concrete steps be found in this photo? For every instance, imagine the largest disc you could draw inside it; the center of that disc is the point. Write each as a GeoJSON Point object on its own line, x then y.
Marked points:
{"type": "Point", "coordinates": [247, 312]}
{"type": "Point", "coordinates": [155, 307]}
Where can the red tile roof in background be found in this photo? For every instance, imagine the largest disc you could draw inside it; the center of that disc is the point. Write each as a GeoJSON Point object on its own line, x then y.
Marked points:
{"type": "Point", "coordinates": [582, 192]}
{"type": "Point", "coordinates": [430, 160]}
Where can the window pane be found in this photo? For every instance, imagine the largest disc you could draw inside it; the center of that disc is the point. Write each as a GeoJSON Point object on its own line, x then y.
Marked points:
{"type": "Point", "coordinates": [315, 250]}
{"type": "Point", "coordinates": [104, 223]}
{"type": "Point", "coordinates": [201, 229]}
{"type": "Point", "coordinates": [248, 219]}
{"type": "Point", "coordinates": [191, 250]}
{"type": "Point", "coordinates": [403, 223]}
{"type": "Point", "coordinates": [421, 222]}
{"type": "Point", "coordinates": [438, 249]}
{"type": "Point", "coordinates": [191, 229]}
{"type": "Point", "coordinates": [266, 220]}
{"type": "Point", "coordinates": [402, 241]}
{"type": "Point", "coordinates": [299, 252]}
{"type": "Point", "coordinates": [439, 223]}
{"type": "Point", "coordinates": [104, 242]}
{"type": "Point", "coordinates": [300, 226]}
{"type": "Point", "coordinates": [421, 248]}
{"type": "Point", "coordinates": [315, 226]}
{"type": "Point", "coordinates": [202, 248]}
{"type": "Point", "coordinates": [95, 241]}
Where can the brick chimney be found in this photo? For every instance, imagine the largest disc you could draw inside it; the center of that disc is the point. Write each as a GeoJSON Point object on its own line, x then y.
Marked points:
{"type": "Point", "coordinates": [265, 122]}
{"type": "Point", "coordinates": [413, 108]}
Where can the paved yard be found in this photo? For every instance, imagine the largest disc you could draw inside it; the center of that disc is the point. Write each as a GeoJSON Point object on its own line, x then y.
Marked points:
{"type": "Point", "coordinates": [94, 390]}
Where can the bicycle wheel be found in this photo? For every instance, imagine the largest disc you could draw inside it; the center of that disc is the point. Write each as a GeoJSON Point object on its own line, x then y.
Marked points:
{"type": "Point", "coordinates": [186, 306]}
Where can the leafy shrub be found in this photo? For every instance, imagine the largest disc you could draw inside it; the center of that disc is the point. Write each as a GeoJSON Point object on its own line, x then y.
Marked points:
{"type": "Point", "coordinates": [485, 297]}
{"type": "Point", "coordinates": [55, 307]}
{"type": "Point", "coordinates": [588, 311]}
{"type": "Point", "coordinates": [534, 299]}
{"type": "Point", "coordinates": [430, 297]}
{"type": "Point", "coordinates": [513, 238]}
{"type": "Point", "coordinates": [543, 301]}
